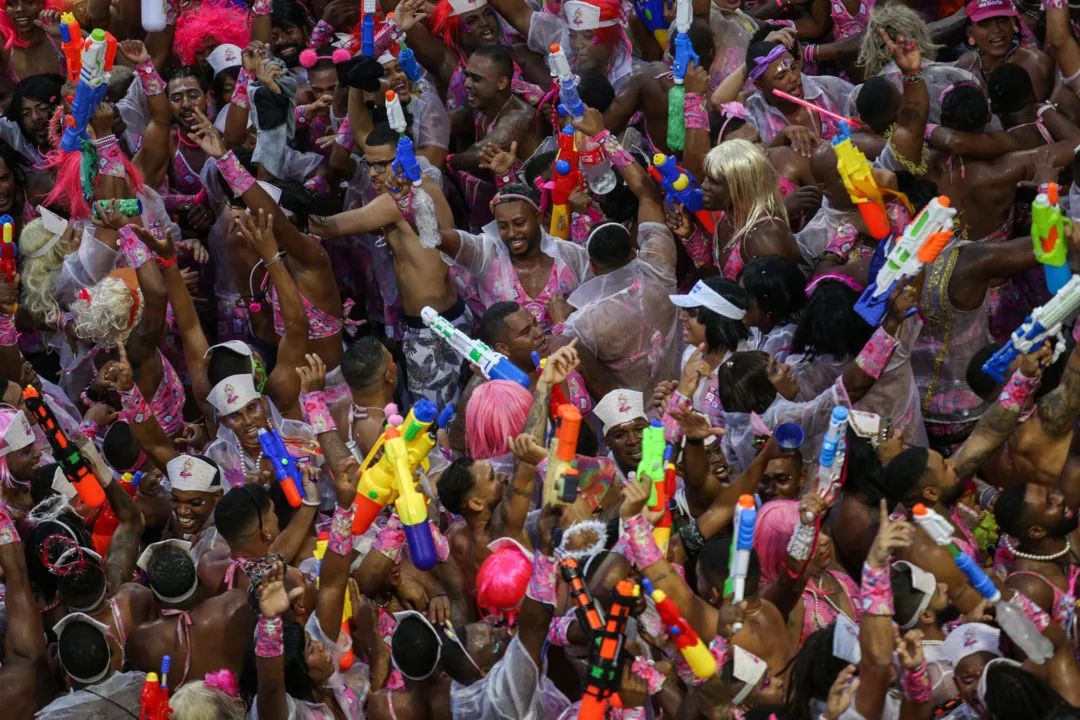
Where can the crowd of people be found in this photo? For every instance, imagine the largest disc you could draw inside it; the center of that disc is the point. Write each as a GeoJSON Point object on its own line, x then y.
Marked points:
{"type": "Point", "coordinates": [504, 359]}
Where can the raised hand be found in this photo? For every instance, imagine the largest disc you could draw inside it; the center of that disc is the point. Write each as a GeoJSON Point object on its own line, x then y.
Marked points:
{"type": "Point", "coordinates": [134, 51]}
{"type": "Point", "coordinates": [312, 375]}
{"type": "Point", "coordinates": [250, 55]}
{"type": "Point", "coordinates": [497, 160]}
{"type": "Point", "coordinates": [321, 106]}
{"type": "Point", "coordinates": [678, 220]}
{"type": "Point", "coordinates": [906, 53]}
{"type": "Point", "coordinates": [892, 534]}
{"type": "Point", "coordinates": [560, 364]}
{"type": "Point", "coordinates": [1033, 364]}
{"type": "Point", "coordinates": [273, 600]}
{"type": "Point", "coordinates": [841, 694]}
{"type": "Point", "coordinates": [909, 648]}
{"type": "Point", "coordinates": [163, 247]}
{"type": "Point", "coordinates": [695, 426]}
{"type": "Point", "coordinates": [120, 376]}
{"type": "Point", "coordinates": [694, 372]}
{"type": "Point", "coordinates": [267, 72]}
{"type": "Point", "coordinates": [528, 450]}
{"type": "Point", "coordinates": [662, 395]}
{"type": "Point", "coordinates": [207, 136]}
{"type": "Point", "coordinates": [558, 308]}
{"type": "Point", "coordinates": [410, 12]}
{"type": "Point", "coordinates": [697, 80]}
{"type": "Point", "coordinates": [260, 234]}
{"type": "Point", "coordinates": [591, 123]}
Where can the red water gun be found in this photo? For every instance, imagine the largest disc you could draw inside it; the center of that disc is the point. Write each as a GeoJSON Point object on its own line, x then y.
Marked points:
{"type": "Point", "coordinates": [71, 42]}
{"type": "Point", "coordinates": [558, 398]}
{"type": "Point", "coordinates": [660, 496]}
{"type": "Point", "coordinates": [565, 179]}
{"type": "Point", "coordinates": [74, 466]}
{"type": "Point", "coordinates": [155, 695]}
{"type": "Point", "coordinates": [605, 659]}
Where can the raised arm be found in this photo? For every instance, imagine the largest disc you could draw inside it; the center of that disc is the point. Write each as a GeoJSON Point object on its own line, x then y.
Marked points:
{"type": "Point", "coordinates": [529, 454]}
{"type": "Point", "coordinates": [907, 137]}
{"type": "Point", "coordinates": [25, 676]}
{"type": "Point", "coordinates": [153, 156]}
{"type": "Point", "coordinates": [144, 426]}
{"type": "Point", "coordinates": [431, 52]}
{"type": "Point", "coordinates": [861, 375]}
{"type": "Point", "coordinates": [517, 13]}
{"type": "Point", "coordinates": [508, 129]}
{"type": "Point", "coordinates": [1061, 43]}
{"type": "Point", "coordinates": [372, 217]}
{"type": "Point", "coordinates": [119, 563]}
{"type": "Point", "coordinates": [698, 136]}
{"type": "Point", "coordinates": [334, 570]}
{"type": "Point", "coordinates": [271, 699]}
{"type": "Point", "coordinates": [1060, 408]}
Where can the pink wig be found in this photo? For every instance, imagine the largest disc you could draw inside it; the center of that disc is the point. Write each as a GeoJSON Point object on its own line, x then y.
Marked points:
{"type": "Point", "coordinates": [217, 19]}
{"type": "Point", "coordinates": [502, 582]}
{"type": "Point", "coordinates": [775, 525]}
{"type": "Point", "coordinates": [7, 416]}
{"type": "Point", "coordinates": [496, 411]}
{"type": "Point", "coordinates": [8, 30]}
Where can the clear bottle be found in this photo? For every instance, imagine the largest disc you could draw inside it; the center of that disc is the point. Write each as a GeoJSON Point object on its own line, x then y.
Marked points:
{"type": "Point", "coordinates": [596, 166]}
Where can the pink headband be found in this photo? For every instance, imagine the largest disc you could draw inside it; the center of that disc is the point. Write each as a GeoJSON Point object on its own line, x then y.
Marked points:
{"type": "Point", "coordinates": [825, 277]}
{"type": "Point", "coordinates": [545, 191]}
{"type": "Point", "coordinates": [507, 197]}
{"type": "Point", "coordinates": [731, 111]}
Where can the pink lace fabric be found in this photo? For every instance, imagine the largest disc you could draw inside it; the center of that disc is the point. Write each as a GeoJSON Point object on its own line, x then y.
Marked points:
{"type": "Point", "coordinates": [642, 543]}
{"type": "Point", "coordinates": [544, 580]}
{"type": "Point", "coordinates": [843, 241]}
{"type": "Point", "coordinates": [915, 684]}
{"type": "Point", "coordinates": [9, 336]}
{"type": "Point", "coordinates": [316, 412]}
{"type": "Point", "coordinates": [620, 157]}
{"type": "Point", "coordinates": [233, 172]}
{"type": "Point", "coordinates": [876, 591]}
{"type": "Point", "coordinates": [875, 355]}
{"type": "Point", "coordinates": [696, 117]}
{"type": "Point", "coordinates": [681, 404]}
{"type": "Point", "coordinates": [269, 639]}
{"type": "Point", "coordinates": [230, 574]}
{"type": "Point", "coordinates": [149, 77]}
{"type": "Point", "coordinates": [261, 7]}
{"type": "Point", "coordinates": [134, 249]}
{"type": "Point", "coordinates": [1017, 391]}
{"type": "Point", "coordinates": [183, 636]}
{"type": "Point", "coordinates": [8, 533]}
{"type": "Point", "coordinates": [818, 614]}
{"type": "Point", "coordinates": [340, 542]}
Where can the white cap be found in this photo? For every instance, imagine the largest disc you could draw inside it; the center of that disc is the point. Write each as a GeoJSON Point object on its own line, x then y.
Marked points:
{"type": "Point", "coordinates": [386, 57]}
{"type": "Point", "coordinates": [190, 474]}
{"type": "Point", "coordinates": [701, 295]}
{"type": "Point", "coordinates": [618, 407]}
{"type": "Point", "coordinates": [17, 436]}
{"type": "Point", "coordinates": [237, 346]}
{"type": "Point", "coordinates": [922, 581]}
{"type": "Point", "coordinates": [971, 638]}
{"type": "Point", "coordinates": [81, 617]}
{"type": "Point", "coordinates": [505, 543]}
{"type": "Point", "coordinates": [584, 16]}
{"type": "Point", "coordinates": [460, 7]}
{"type": "Point", "coordinates": [224, 56]}
{"type": "Point", "coordinates": [54, 225]}
{"type": "Point", "coordinates": [233, 394]}
{"type": "Point", "coordinates": [144, 559]}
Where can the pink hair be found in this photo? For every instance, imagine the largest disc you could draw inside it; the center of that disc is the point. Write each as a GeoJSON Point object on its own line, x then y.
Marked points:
{"type": "Point", "coordinates": [7, 416]}
{"type": "Point", "coordinates": [223, 680]}
{"type": "Point", "coordinates": [775, 525]}
{"type": "Point", "coordinates": [10, 33]}
{"type": "Point", "coordinates": [502, 581]}
{"type": "Point", "coordinates": [496, 411]}
{"type": "Point", "coordinates": [68, 189]}
{"type": "Point", "coordinates": [217, 19]}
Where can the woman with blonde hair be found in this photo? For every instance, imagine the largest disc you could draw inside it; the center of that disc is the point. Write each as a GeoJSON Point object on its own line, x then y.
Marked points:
{"type": "Point", "coordinates": [213, 699]}
{"type": "Point", "coordinates": [743, 186]}
{"type": "Point", "coordinates": [41, 258]}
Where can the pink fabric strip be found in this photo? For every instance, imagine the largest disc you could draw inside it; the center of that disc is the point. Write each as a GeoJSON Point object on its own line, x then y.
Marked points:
{"type": "Point", "coordinates": [876, 591]}
{"type": "Point", "coordinates": [269, 639]}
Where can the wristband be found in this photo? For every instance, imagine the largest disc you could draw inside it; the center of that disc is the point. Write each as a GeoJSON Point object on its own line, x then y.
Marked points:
{"type": "Point", "coordinates": [1016, 392]}
{"type": "Point", "coordinates": [136, 409]}
{"type": "Point", "coordinates": [875, 355]}
{"type": "Point", "coordinates": [876, 590]}
{"type": "Point", "coordinates": [110, 159]}
{"type": "Point", "coordinates": [646, 670]}
{"type": "Point", "coordinates": [389, 34]}
{"type": "Point", "coordinates": [240, 96]}
{"type": "Point", "coordinates": [809, 52]}
{"type": "Point", "coordinates": [269, 640]}
{"type": "Point", "coordinates": [321, 34]}
{"type": "Point", "coordinates": [842, 242]}
{"type": "Point", "coordinates": [694, 108]}
{"type": "Point", "coordinates": [928, 131]}
{"type": "Point", "coordinates": [9, 336]}
{"type": "Point", "coordinates": [801, 542]}
{"type": "Point", "coordinates": [318, 185]}
{"type": "Point", "coordinates": [620, 158]}
{"type": "Point", "coordinates": [311, 495]}
{"type": "Point", "coordinates": [341, 531]}
{"type": "Point", "coordinates": [681, 404]}
{"type": "Point", "coordinates": [692, 539]}
{"type": "Point", "coordinates": [544, 579]}
{"type": "Point", "coordinates": [390, 540]}
{"type": "Point", "coordinates": [262, 7]}
{"type": "Point", "coordinates": [90, 429]}
{"type": "Point", "coordinates": [344, 137]}
{"type": "Point", "coordinates": [134, 249]}
{"type": "Point", "coordinates": [719, 648]}
{"type": "Point", "coordinates": [558, 328]}
{"type": "Point", "coordinates": [239, 179]}
{"type": "Point", "coordinates": [8, 533]}
{"type": "Point", "coordinates": [149, 78]}
{"type": "Point", "coordinates": [912, 79]}
{"type": "Point", "coordinates": [165, 263]}
{"type": "Point", "coordinates": [915, 684]}
{"type": "Point", "coordinates": [316, 413]}
{"type": "Point", "coordinates": [642, 543]}
{"type": "Point", "coordinates": [298, 114]}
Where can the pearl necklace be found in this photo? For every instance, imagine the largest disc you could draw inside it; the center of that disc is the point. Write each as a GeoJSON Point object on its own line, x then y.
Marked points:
{"type": "Point", "coordinates": [814, 613]}
{"type": "Point", "coordinates": [1038, 558]}
{"type": "Point", "coordinates": [246, 458]}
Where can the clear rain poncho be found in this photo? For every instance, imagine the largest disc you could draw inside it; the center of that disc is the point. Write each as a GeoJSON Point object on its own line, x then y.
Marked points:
{"type": "Point", "coordinates": [512, 690]}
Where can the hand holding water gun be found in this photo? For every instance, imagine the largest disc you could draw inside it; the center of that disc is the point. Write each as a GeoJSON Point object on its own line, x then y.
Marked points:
{"type": "Point", "coordinates": [693, 650]}
{"type": "Point", "coordinates": [71, 42]}
{"type": "Point", "coordinates": [107, 522]}
{"type": "Point", "coordinates": [684, 55]}
{"type": "Point", "coordinates": [285, 468]}
{"type": "Point", "coordinates": [410, 504]}
{"type": "Point", "coordinates": [605, 658]}
{"type": "Point", "coordinates": [589, 614]}
{"type": "Point", "coordinates": [830, 475]}
{"type": "Point", "coordinates": [1044, 323]}
{"type": "Point", "coordinates": [98, 53]}
{"type": "Point", "coordinates": [652, 457]}
{"type": "Point", "coordinates": [493, 365]}
{"type": "Point", "coordinates": [558, 398]}
{"type": "Point", "coordinates": [75, 467]}
{"type": "Point", "coordinates": [681, 187]}
{"type": "Point", "coordinates": [1010, 618]}
{"type": "Point", "coordinates": [660, 494]}
{"type": "Point", "coordinates": [1048, 226]}
{"type": "Point", "coordinates": [567, 81]}
{"type": "Point", "coordinates": [405, 165]}
{"type": "Point", "coordinates": [651, 13]}
{"type": "Point", "coordinates": [561, 480]}
{"type": "Point", "coordinates": [154, 701]}
{"type": "Point", "coordinates": [742, 543]}
{"type": "Point", "coordinates": [8, 250]}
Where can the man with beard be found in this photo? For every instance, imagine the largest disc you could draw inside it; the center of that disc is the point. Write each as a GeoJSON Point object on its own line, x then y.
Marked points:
{"type": "Point", "coordinates": [32, 106]}
{"type": "Point", "coordinates": [289, 31]}
{"type": "Point", "coordinates": [1043, 543]}
{"type": "Point", "coordinates": [499, 116]}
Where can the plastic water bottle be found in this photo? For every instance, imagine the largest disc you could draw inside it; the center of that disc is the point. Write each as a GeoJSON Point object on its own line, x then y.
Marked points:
{"type": "Point", "coordinates": [596, 166]}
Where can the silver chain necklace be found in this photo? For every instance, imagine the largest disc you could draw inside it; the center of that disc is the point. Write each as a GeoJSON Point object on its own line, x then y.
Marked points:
{"type": "Point", "coordinates": [1037, 558]}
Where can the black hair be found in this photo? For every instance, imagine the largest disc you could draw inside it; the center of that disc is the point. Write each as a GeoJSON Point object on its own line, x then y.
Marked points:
{"type": "Point", "coordinates": [171, 571]}
{"type": "Point", "coordinates": [903, 476]}
{"type": "Point", "coordinates": [1013, 692]}
{"type": "Point", "coordinates": [588, 445]}
{"type": "Point", "coordinates": [119, 447]}
{"type": "Point", "coordinates": [16, 162]}
{"type": "Point", "coordinates": [41, 482]}
{"type": "Point", "coordinates": [42, 581]}
{"type": "Point", "coordinates": [743, 379]}
{"type": "Point", "coordinates": [865, 475]}
{"type": "Point", "coordinates": [1010, 90]}
{"type": "Point", "coordinates": [298, 682]}
{"type": "Point", "coordinates": [701, 41]}
{"type": "Point", "coordinates": [609, 246]}
{"type": "Point", "coordinates": [814, 669]}
{"type": "Point", "coordinates": [766, 712]}
{"type": "Point", "coordinates": [965, 108]}
{"type": "Point", "coordinates": [517, 188]}
{"type": "Point", "coordinates": [500, 57]}
{"type": "Point", "coordinates": [414, 648]}
{"type": "Point", "coordinates": [493, 328]}
{"type": "Point", "coordinates": [221, 77]}
{"type": "Point", "coordinates": [537, 165]}
{"type": "Point", "coordinates": [82, 582]}
{"type": "Point", "coordinates": [304, 203]}
{"type": "Point", "coordinates": [455, 662]}
{"type": "Point", "coordinates": [829, 325]}
{"type": "Point", "coordinates": [919, 191]}
{"type": "Point", "coordinates": [83, 649]}
{"type": "Point", "coordinates": [723, 333]}
{"type": "Point", "coordinates": [45, 87]}
{"type": "Point", "coordinates": [1010, 508]}
{"type": "Point", "coordinates": [876, 103]}
{"type": "Point", "coordinates": [455, 484]}
{"type": "Point", "coordinates": [284, 13]}
{"type": "Point", "coordinates": [620, 204]}
{"type": "Point", "coordinates": [714, 561]}
{"type": "Point", "coordinates": [200, 74]}
{"type": "Point", "coordinates": [225, 362]}
{"type": "Point", "coordinates": [382, 135]}
{"type": "Point", "coordinates": [594, 89]}
{"type": "Point", "coordinates": [906, 597]}
{"type": "Point", "coordinates": [237, 513]}
{"type": "Point", "coordinates": [728, 126]}
{"type": "Point", "coordinates": [362, 362]}
{"type": "Point", "coordinates": [777, 284]}
{"type": "Point", "coordinates": [1065, 712]}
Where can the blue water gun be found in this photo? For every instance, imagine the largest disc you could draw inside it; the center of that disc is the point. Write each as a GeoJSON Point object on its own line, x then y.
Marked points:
{"type": "Point", "coordinates": [405, 164]}
{"type": "Point", "coordinates": [684, 51]}
{"type": "Point", "coordinates": [408, 63]}
{"type": "Point", "coordinates": [97, 60]}
{"type": "Point", "coordinates": [285, 467]}
{"type": "Point", "coordinates": [1044, 323]}
{"type": "Point", "coordinates": [681, 187]}
{"type": "Point", "coordinates": [651, 12]}
{"type": "Point", "coordinates": [569, 102]}
{"type": "Point", "coordinates": [367, 29]}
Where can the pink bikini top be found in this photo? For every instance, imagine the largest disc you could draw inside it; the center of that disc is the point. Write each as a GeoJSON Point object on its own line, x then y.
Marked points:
{"type": "Point", "coordinates": [320, 324]}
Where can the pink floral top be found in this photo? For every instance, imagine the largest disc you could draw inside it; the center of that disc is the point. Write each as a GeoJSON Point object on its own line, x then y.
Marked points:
{"type": "Point", "coordinates": [844, 25]}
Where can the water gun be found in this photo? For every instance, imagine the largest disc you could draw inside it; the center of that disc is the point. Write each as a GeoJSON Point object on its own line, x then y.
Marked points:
{"type": "Point", "coordinates": [74, 466]}
{"type": "Point", "coordinates": [107, 522]}
{"type": "Point", "coordinates": [410, 504]}
{"type": "Point", "coordinates": [349, 658]}
{"type": "Point", "coordinates": [405, 165]}
{"type": "Point", "coordinates": [605, 658]}
{"type": "Point", "coordinates": [493, 365]}
{"type": "Point", "coordinates": [652, 455]}
{"type": "Point", "coordinates": [558, 398]}
{"type": "Point", "coordinates": [589, 614]}
{"type": "Point", "coordinates": [681, 187]}
{"type": "Point", "coordinates": [1048, 226]}
{"type": "Point", "coordinates": [561, 481]}
{"type": "Point", "coordinates": [128, 207]}
{"type": "Point", "coordinates": [376, 489]}
{"type": "Point", "coordinates": [98, 53]}
{"type": "Point", "coordinates": [742, 542]}
{"type": "Point", "coordinates": [684, 53]}
{"type": "Point", "coordinates": [1010, 618]}
{"type": "Point", "coordinates": [1044, 322]}
{"type": "Point", "coordinates": [288, 472]}
{"type": "Point", "coordinates": [155, 694]}
{"type": "Point", "coordinates": [651, 13]}
{"type": "Point", "coordinates": [661, 492]}
{"type": "Point", "coordinates": [71, 42]}
{"type": "Point", "coordinates": [407, 61]}
{"type": "Point", "coordinates": [859, 181]}
{"type": "Point", "coordinates": [569, 102]}
{"type": "Point", "coordinates": [693, 650]}
{"type": "Point", "coordinates": [367, 29]}
{"type": "Point", "coordinates": [830, 475]}
{"type": "Point", "coordinates": [7, 253]}
{"type": "Point", "coordinates": [923, 240]}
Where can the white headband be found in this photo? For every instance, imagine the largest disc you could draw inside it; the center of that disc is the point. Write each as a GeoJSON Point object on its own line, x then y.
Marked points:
{"type": "Point", "coordinates": [75, 617]}
{"type": "Point", "coordinates": [386, 57]}
{"type": "Point", "coordinates": [460, 7]}
{"type": "Point", "coordinates": [584, 16]}
{"type": "Point", "coordinates": [69, 556]}
{"type": "Point", "coordinates": [273, 191]}
{"type": "Point", "coordinates": [54, 224]}
{"type": "Point", "coordinates": [233, 394]}
{"type": "Point", "coordinates": [922, 581]}
{"type": "Point", "coordinates": [190, 474]}
{"type": "Point", "coordinates": [144, 563]}
{"type": "Point", "coordinates": [17, 436]}
{"type": "Point", "coordinates": [701, 295]}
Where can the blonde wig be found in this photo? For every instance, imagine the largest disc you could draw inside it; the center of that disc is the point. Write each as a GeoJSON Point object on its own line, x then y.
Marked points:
{"type": "Point", "coordinates": [751, 180]}
{"type": "Point", "coordinates": [38, 289]}
{"type": "Point", "coordinates": [106, 313]}
{"type": "Point", "coordinates": [897, 20]}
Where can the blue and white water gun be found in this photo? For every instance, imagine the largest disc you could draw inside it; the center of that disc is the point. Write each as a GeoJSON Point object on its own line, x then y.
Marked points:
{"type": "Point", "coordinates": [97, 60]}
{"type": "Point", "coordinates": [569, 102]}
{"type": "Point", "coordinates": [1044, 323]}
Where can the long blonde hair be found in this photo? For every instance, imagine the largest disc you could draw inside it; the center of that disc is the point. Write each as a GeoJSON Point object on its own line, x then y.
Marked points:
{"type": "Point", "coordinates": [897, 20]}
{"type": "Point", "coordinates": [38, 290]}
{"type": "Point", "coordinates": [752, 182]}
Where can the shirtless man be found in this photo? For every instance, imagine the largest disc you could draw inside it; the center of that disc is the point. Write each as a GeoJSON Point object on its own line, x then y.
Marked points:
{"type": "Point", "coordinates": [372, 375]}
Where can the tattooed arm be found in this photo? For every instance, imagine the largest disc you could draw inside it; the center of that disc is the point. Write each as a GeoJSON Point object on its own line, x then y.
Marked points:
{"type": "Point", "coordinates": [1059, 409]}
{"type": "Point", "coordinates": [513, 126]}
{"type": "Point", "coordinates": [529, 454]}
{"type": "Point", "coordinates": [558, 366]}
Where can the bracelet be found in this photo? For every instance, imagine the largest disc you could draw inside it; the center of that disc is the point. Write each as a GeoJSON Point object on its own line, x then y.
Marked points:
{"type": "Point", "coordinates": [110, 159]}
{"type": "Point", "coordinates": [136, 409]}
{"type": "Point", "coordinates": [1054, 4]}
{"type": "Point", "coordinates": [269, 640]}
{"type": "Point", "coordinates": [9, 336]}
{"type": "Point", "coordinates": [694, 108]}
{"type": "Point", "coordinates": [544, 580]}
{"type": "Point", "coordinates": [165, 263]}
{"type": "Point", "coordinates": [341, 531]}
{"type": "Point", "coordinates": [280, 254]}
{"type": "Point", "coordinates": [150, 78]}
{"type": "Point", "coordinates": [238, 178]}
{"type": "Point", "coordinates": [620, 157]}
{"type": "Point", "coordinates": [876, 590]}
{"type": "Point", "coordinates": [134, 249]}
{"type": "Point", "coordinates": [316, 412]}
{"type": "Point", "coordinates": [692, 539]}
{"type": "Point", "coordinates": [90, 429]}
{"type": "Point", "coordinates": [642, 543]}
{"type": "Point", "coordinates": [1016, 392]}
{"type": "Point", "coordinates": [809, 52]}
{"type": "Point", "coordinates": [801, 542]}
{"type": "Point", "coordinates": [913, 79]}
{"type": "Point", "coordinates": [915, 684]}
{"type": "Point", "coordinates": [298, 114]}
